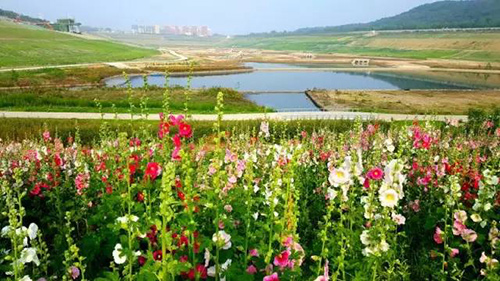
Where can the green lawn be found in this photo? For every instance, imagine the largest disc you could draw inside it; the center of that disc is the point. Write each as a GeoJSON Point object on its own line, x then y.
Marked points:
{"type": "Point", "coordinates": [474, 46]}
{"type": "Point", "coordinates": [116, 100]}
{"type": "Point", "coordinates": [22, 45]}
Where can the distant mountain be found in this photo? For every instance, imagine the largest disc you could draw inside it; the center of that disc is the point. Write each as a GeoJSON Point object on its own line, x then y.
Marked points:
{"type": "Point", "coordinates": [443, 14]}
{"type": "Point", "coordinates": [16, 16]}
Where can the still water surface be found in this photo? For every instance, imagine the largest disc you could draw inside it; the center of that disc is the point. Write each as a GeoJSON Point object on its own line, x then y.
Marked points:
{"type": "Point", "coordinates": [293, 81]}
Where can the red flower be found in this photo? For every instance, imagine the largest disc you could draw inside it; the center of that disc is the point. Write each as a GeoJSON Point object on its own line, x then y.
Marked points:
{"type": "Point", "coordinates": [141, 260]}
{"type": "Point", "coordinates": [157, 255]}
{"type": "Point", "coordinates": [199, 271]}
{"type": "Point", "coordinates": [375, 174]}
{"type": "Point", "coordinates": [163, 129]}
{"type": "Point", "coordinates": [140, 196]}
{"type": "Point", "coordinates": [282, 260]}
{"type": "Point", "coordinates": [177, 140]}
{"type": "Point", "coordinates": [185, 130]}
{"type": "Point", "coordinates": [153, 170]}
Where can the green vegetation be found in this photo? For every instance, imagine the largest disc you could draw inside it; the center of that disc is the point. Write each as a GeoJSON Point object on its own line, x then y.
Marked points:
{"type": "Point", "coordinates": [442, 14]}
{"type": "Point", "coordinates": [114, 100]}
{"type": "Point", "coordinates": [15, 16]}
{"type": "Point", "coordinates": [23, 128]}
{"type": "Point", "coordinates": [22, 45]}
{"type": "Point", "coordinates": [475, 46]}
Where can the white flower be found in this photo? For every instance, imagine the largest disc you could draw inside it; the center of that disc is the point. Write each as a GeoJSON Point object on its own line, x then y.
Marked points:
{"type": "Point", "coordinates": [32, 230]}
{"type": "Point", "coordinates": [365, 239]}
{"type": "Point", "coordinates": [383, 246]}
{"type": "Point", "coordinates": [25, 278]}
{"type": "Point", "coordinates": [223, 238]}
{"type": "Point", "coordinates": [5, 231]}
{"type": "Point", "coordinates": [211, 271]}
{"type": "Point", "coordinates": [476, 218]}
{"type": "Point", "coordinates": [255, 215]}
{"type": "Point", "coordinates": [226, 264]}
{"type": "Point", "coordinates": [399, 219]}
{"type": "Point", "coordinates": [117, 254]}
{"type": "Point", "coordinates": [339, 176]}
{"type": "Point", "coordinates": [264, 128]}
{"type": "Point", "coordinates": [206, 256]}
{"type": "Point", "coordinates": [29, 255]}
{"type": "Point", "coordinates": [389, 198]}
{"type": "Point", "coordinates": [331, 193]}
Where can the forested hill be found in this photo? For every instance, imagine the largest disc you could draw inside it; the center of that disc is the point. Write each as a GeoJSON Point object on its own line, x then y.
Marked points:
{"type": "Point", "coordinates": [442, 14]}
{"type": "Point", "coordinates": [14, 15]}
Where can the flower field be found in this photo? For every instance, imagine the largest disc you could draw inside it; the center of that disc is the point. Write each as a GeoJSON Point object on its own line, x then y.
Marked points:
{"type": "Point", "coordinates": [412, 202]}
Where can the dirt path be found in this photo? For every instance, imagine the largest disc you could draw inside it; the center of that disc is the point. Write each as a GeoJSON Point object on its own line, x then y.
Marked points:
{"type": "Point", "coordinates": [235, 117]}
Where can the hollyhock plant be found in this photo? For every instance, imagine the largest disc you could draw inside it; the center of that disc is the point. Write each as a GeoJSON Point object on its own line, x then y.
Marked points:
{"type": "Point", "coordinates": [153, 170]}
{"type": "Point", "coordinates": [375, 174]}
{"type": "Point", "coordinates": [185, 130]}
{"type": "Point", "coordinates": [283, 259]}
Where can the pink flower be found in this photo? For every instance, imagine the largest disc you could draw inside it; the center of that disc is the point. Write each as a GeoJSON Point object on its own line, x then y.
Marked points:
{"type": "Point", "coordinates": [282, 260]}
{"type": "Point", "coordinates": [75, 272]}
{"type": "Point", "coordinates": [325, 276]}
{"type": "Point", "coordinates": [153, 170]}
{"type": "Point", "coordinates": [82, 182]}
{"type": "Point", "coordinates": [272, 277]}
{"type": "Point", "coordinates": [175, 154]}
{"type": "Point", "coordinates": [46, 136]}
{"type": "Point", "coordinates": [458, 228]}
{"type": "Point", "coordinates": [469, 235]}
{"type": "Point", "coordinates": [228, 208]}
{"type": "Point", "coordinates": [253, 252]}
{"type": "Point", "coordinates": [438, 236]}
{"type": "Point", "coordinates": [375, 174]}
{"type": "Point", "coordinates": [251, 269]}
{"type": "Point", "coordinates": [176, 121]}
{"type": "Point", "coordinates": [454, 252]}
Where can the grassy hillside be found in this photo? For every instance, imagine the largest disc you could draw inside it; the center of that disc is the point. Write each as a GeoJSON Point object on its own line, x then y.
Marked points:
{"type": "Point", "coordinates": [22, 45]}
{"type": "Point", "coordinates": [474, 46]}
{"type": "Point", "coordinates": [442, 14]}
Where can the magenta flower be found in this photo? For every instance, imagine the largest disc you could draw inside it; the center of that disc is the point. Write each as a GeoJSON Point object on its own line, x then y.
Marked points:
{"type": "Point", "coordinates": [176, 121]}
{"type": "Point", "coordinates": [253, 252]}
{"type": "Point", "coordinates": [272, 277]}
{"type": "Point", "coordinates": [282, 260]}
{"type": "Point", "coordinates": [375, 174]}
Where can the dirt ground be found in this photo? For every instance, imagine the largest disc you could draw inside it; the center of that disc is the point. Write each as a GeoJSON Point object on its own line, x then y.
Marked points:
{"type": "Point", "coordinates": [408, 102]}
{"type": "Point", "coordinates": [219, 55]}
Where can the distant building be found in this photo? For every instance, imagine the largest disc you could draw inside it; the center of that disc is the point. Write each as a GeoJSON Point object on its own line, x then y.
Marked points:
{"type": "Point", "coordinates": [361, 62]}
{"type": "Point", "coordinates": [200, 31]}
{"type": "Point", "coordinates": [67, 25]}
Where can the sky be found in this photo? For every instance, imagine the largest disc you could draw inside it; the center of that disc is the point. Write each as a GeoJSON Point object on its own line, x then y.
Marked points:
{"type": "Point", "coordinates": [229, 17]}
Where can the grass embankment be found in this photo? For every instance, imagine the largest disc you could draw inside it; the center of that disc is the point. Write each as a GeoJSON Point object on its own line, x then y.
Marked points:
{"type": "Point", "coordinates": [474, 46]}
{"type": "Point", "coordinates": [22, 45]}
{"type": "Point", "coordinates": [408, 102]}
{"type": "Point", "coordinates": [84, 100]}
{"type": "Point", "coordinates": [60, 76]}
{"type": "Point", "coordinates": [74, 76]}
